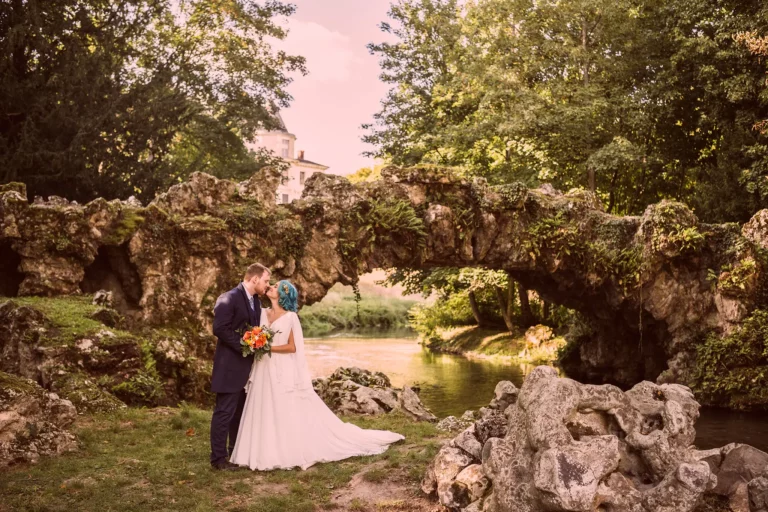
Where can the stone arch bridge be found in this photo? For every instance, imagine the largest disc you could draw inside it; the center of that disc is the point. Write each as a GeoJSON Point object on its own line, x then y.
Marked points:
{"type": "Point", "coordinates": [650, 287]}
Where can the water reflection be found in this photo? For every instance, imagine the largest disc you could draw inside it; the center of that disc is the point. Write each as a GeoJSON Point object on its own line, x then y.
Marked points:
{"type": "Point", "coordinates": [449, 384]}
{"type": "Point", "coordinates": [452, 384]}
{"type": "Point", "coordinates": [718, 427]}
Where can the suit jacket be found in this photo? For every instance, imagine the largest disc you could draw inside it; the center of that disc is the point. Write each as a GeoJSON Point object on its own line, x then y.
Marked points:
{"type": "Point", "coordinates": [230, 315]}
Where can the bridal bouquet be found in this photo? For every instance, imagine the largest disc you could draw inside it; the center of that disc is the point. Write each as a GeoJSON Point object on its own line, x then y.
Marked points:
{"type": "Point", "coordinates": [257, 341]}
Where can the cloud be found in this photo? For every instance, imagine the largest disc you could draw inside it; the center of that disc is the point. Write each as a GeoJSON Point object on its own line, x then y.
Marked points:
{"type": "Point", "coordinates": [329, 54]}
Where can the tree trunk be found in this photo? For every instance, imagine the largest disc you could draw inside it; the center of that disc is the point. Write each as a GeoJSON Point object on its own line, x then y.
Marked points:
{"type": "Point", "coordinates": [584, 49]}
{"type": "Point", "coordinates": [475, 309]}
{"type": "Point", "coordinates": [505, 304]}
{"type": "Point", "coordinates": [526, 315]}
{"type": "Point", "coordinates": [545, 307]}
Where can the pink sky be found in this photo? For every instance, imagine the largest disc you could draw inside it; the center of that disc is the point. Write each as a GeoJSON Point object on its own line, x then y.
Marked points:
{"type": "Point", "coordinates": [342, 90]}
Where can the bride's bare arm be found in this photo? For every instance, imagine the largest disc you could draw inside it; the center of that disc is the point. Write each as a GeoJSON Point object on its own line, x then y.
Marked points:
{"type": "Point", "coordinates": [288, 348]}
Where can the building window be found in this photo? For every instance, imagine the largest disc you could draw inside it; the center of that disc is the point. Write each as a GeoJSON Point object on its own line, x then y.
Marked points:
{"type": "Point", "coordinates": [302, 177]}
{"type": "Point", "coordinates": [285, 198]}
{"type": "Point", "coordinates": [286, 147]}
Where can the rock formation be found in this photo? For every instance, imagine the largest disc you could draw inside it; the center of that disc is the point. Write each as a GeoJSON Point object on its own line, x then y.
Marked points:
{"type": "Point", "coordinates": [456, 474]}
{"type": "Point", "coordinates": [356, 391]}
{"type": "Point", "coordinates": [565, 446]}
{"type": "Point", "coordinates": [650, 287]}
{"type": "Point", "coordinates": [33, 422]}
{"type": "Point", "coordinates": [101, 368]}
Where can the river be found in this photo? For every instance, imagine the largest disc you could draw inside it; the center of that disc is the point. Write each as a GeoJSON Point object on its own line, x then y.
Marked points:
{"type": "Point", "coordinates": [452, 384]}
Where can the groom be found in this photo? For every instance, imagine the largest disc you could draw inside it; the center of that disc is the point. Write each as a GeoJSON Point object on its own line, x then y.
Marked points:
{"type": "Point", "coordinates": [234, 309]}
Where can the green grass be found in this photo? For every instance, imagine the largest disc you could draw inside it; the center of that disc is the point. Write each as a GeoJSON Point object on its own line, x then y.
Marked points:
{"type": "Point", "coordinates": [489, 342]}
{"type": "Point", "coordinates": [339, 311]}
{"type": "Point", "coordinates": [68, 314]}
{"type": "Point", "coordinates": [477, 341]}
{"type": "Point", "coordinates": [157, 459]}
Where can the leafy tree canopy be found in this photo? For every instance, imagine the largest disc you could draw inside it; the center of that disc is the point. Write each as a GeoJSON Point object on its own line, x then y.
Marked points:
{"type": "Point", "coordinates": [637, 100]}
{"type": "Point", "coordinates": [103, 98]}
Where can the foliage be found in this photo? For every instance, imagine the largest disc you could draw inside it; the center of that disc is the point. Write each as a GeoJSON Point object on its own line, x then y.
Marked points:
{"type": "Point", "coordinates": [735, 280]}
{"type": "Point", "coordinates": [365, 174]}
{"type": "Point", "coordinates": [450, 311]}
{"type": "Point", "coordinates": [139, 459]}
{"type": "Point", "coordinates": [732, 370]}
{"type": "Point", "coordinates": [381, 224]}
{"type": "Point", "coordinates": [111, 99]}
{"type": "Point", "coordinates": [340, 313]}
{"type": "Point", "coordinates": [673, 230]}
{"type": "Point", "coordinates": [637, 100]}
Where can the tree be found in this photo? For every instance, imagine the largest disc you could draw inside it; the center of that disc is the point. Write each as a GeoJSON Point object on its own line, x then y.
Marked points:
{"type": "Point", "coordinates": [638, 101]}
{"type": "Point", "coordinates": [367, 173]}
{"type": "Point", "coordinates": [119, 98]}
{"type": "Point", "coordinates": [429, 34]}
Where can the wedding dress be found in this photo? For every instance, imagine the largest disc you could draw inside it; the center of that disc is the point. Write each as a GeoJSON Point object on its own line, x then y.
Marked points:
{"type": "Point", "coordinates": [285, 424]}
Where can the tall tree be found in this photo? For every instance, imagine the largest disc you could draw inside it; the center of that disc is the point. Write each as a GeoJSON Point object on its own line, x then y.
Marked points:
{"type": "Point", "coordinates": [638, 101]}
{"type": "Point", "coordinates": [119, 98]}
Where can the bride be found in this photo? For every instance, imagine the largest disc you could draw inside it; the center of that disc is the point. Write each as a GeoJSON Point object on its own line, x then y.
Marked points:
{"type": "Point", "coordinates": [284, 423]}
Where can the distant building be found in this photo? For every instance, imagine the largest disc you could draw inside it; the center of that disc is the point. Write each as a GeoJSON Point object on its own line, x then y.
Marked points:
{"type": "Point", "coordinates": [282, 143]}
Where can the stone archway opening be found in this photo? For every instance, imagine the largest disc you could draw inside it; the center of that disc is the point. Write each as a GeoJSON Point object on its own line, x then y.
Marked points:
{"type": "Point", "coordinates": [367, 308]}
{"type": "Point", "coordinates": [10, 275]}
{"type": "Point", "coordinates": [113, 271]}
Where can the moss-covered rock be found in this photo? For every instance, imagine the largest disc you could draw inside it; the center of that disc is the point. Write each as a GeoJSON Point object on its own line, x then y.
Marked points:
{"type": "Point", "coordinates": [33, 422]}
{"type": "Point", "coordinates": [58, 343]}
{"type": "Point", "coordinates": [85, 392]}
{"type": "Point", "coordinates": [14, 186]}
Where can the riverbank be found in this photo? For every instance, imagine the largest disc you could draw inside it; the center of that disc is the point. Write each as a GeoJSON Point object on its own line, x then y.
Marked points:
{"type": "Point", "coordinates": [537, 345]}
{"type": "Point", "coordinates": [157, 459]}
{"type": "Point", "coordinates": [339, 311]}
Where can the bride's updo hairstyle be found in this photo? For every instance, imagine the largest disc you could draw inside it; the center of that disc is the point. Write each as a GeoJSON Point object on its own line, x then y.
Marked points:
{"type": "Point", "coordinates": [287, 296]}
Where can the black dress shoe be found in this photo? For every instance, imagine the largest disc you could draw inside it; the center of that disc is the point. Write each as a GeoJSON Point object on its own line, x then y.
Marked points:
{"type": "Point", "coordinates": [224, 466]}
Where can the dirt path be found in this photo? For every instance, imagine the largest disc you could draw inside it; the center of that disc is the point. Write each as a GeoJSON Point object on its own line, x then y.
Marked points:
{"type": "Point", "coordinates": [389, 494]}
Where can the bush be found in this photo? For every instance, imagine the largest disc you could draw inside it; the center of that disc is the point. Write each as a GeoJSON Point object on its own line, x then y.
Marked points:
{"type": "Point", "coordinates": [340, 312]}
{"type": "Point", "coordinates": [732, 370]}
{"type": "Point", "coordinates": [450, 311]}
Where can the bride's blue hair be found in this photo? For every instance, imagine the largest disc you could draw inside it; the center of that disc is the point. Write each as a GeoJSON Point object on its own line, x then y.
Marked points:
{"type": "Point", "coordinates": [287, 296]}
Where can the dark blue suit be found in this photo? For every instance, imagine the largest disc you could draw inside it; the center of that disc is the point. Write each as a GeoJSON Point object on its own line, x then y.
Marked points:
{"type": "Point", "coordinates": [230, 369]}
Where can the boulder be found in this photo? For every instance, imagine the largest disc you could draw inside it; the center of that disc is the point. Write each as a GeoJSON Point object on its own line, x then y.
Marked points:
{"type": "Point", "coordinates": [491, 425]}
{"type": "Point", "coordinates": [568, 477]}
{"type": "Point", "coordinates": [563, 446]}
{"type": "Point", "coordinates": [442, 471]}
{"type": "Point", "coordinates": [452, 424]}
{"type": "Point", "coordinates": [103, 369]}
{"type": "Point", "coordinates": [357, 391]}
{"type": "Point", "coordinates": [537, 335]}
{"type": "Point", "coordinates": [467, 487]}
{"type": "Point", "coordinates": [469, 443]}
{"type": "Point", "coordinates": [758, 494]}
{"type": "Point", "coordinates": [103, 298]}
{"type": "Point", "coordinates": [504, 395]}
{"type": "Point", "coordinates": [33, 422]}
{"type": "Point", "coordinates": [107, 316]}
{"type": "Point", "coordinates": [740, 466]}
{"type": "Point", "coordinates": [411, 404]}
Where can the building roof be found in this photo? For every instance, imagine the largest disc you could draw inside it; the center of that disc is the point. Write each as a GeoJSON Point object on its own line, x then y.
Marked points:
{"type": "Point", "coordinates": [280, 123]}
{"type": "Point", "coordinates": [308, 162]}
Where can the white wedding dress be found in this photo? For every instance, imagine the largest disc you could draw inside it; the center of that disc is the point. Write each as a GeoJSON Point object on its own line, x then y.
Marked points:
{"type": "Point", "coordinates": [285, 424]}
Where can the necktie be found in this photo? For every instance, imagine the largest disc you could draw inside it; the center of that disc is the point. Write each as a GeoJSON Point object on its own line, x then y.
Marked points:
{"type": "Point", "coordinates": [253, 307]}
